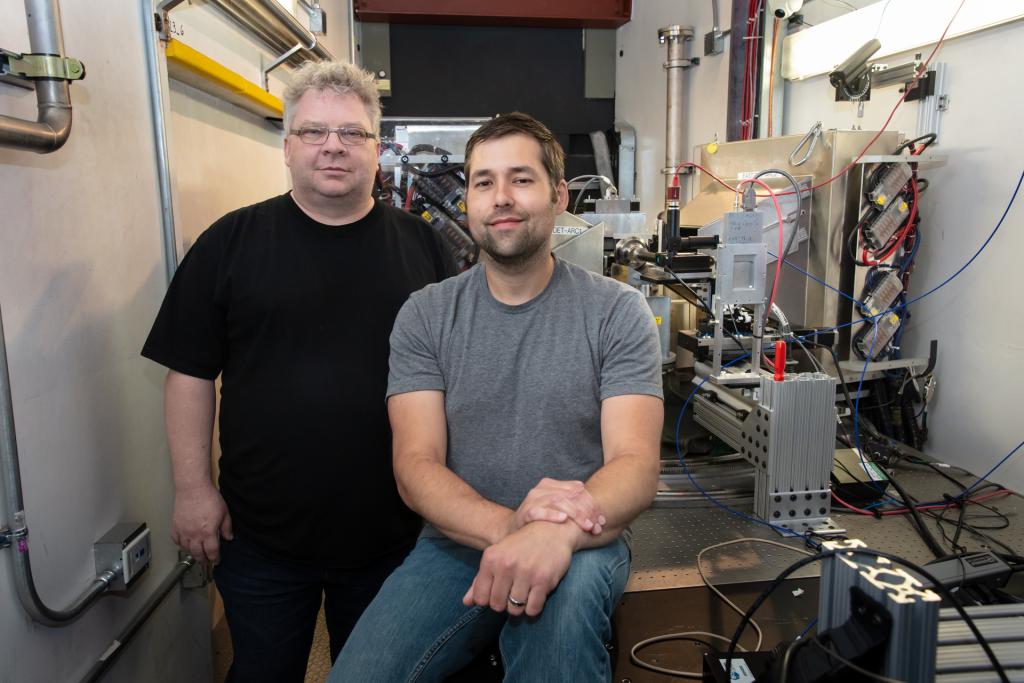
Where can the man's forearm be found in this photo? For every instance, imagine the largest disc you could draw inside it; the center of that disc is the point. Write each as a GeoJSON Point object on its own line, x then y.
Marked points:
{"type": "Point", "coordinates": [450, 504]}
{"type": "Point", "coordinates": [189, 406]}
{"type": "Point", "coordinates": [622, 488]}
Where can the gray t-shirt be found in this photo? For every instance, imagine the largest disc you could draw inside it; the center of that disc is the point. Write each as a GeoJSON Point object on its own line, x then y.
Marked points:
{"type": "Point", "coordinates": [523, 384]}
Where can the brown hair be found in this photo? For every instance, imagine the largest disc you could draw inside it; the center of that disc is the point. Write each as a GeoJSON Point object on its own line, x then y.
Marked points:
{"type": "Point", "coordinates": [517, 122]}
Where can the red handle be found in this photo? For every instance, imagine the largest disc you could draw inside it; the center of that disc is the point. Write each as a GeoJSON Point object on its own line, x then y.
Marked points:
{"type": "Point", "coordinates": [780, 360]}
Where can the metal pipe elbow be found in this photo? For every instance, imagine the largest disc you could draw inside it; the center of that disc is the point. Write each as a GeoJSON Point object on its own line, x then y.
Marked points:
{"type": "Point", "coordinates": [55, 121]}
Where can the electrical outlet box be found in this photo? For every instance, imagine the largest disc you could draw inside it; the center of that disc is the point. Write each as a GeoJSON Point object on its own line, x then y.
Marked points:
{"type": "Point", "coordinates": [125, 550]}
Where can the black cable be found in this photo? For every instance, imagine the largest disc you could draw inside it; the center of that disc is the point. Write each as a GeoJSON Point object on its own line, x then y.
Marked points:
{"type": "Point", "coordinates": [959, 529]}
{"type": "Point", "coordinates": [700, 302]}
{"type": "Point", "coordinates": [434, 173]}
{"type": "Point", "coordinates": [975, 530]}
{"type": "Point", "coordinates": [846, 662]}
{"type": "Point", "coordinates": [930, 137]}
{"type": "Point", "coordinates": [697, 298]}
{"type": "Point", "coordinates": [920, 571]}
{"type": "Point", "coordinates": [925, 533]}
{"type": "Point", "coordinates": [1006, 597]}
{"type": "Point", "coordinates": [839, 371]}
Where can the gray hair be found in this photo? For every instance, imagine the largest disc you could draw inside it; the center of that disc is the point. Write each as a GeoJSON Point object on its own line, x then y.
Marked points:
{"type": "Point", "coordinates": [341, 77]}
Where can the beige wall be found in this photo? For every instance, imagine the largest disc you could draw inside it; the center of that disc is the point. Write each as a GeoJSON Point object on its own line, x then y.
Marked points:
{"type": "Point", "coordinates": [81, 276]}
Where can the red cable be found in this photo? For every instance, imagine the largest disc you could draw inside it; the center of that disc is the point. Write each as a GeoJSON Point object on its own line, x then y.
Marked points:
{"type": "Point", "coordinates": [973, 501]}
{"type": "Point", "coordinates": [850, 507]}
{"type": "Point", "coordinates": [904, 511]}
{"type": "Point", "coordinates": [908, 227]}
{"type": "Point", "coordinates": [782, 229]}
{"type": "Point", "coordinates": [920, 72]}
{"type": "Point", "coordinates": [408, 197]}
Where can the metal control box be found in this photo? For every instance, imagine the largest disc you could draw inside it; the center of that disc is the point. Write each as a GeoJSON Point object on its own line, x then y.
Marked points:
{"type": "Point", "coordinates": [126, 551]}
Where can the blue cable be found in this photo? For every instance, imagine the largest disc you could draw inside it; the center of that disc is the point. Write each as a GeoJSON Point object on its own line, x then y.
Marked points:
{"type": "Point", "coordinates": [686, 469]}
{"type": "Point", "coordinates": [985, 476]}
{"type": "Point", "coordinates": [811, 624]}
{"type": "Point", "coordinates": [784, 530]}
{"type": "Point", "coordinates": [856, 424]}
{"type": "Point", "coordinates": [820, 282]}
{"type": "Point", "coordinates": [980, 249]}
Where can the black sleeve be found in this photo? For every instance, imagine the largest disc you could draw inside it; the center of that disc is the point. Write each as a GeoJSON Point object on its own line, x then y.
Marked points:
{"type": "Point", "coordinates": [446, 260]}
{"type": "Point", "coordinates": [190, 331]}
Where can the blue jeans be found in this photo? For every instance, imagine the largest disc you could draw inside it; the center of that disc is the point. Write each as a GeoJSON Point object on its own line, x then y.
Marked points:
{"type": "Point", "coordinates": [417, 628]}
{"type": "Point", "coordinates": [271, 608]}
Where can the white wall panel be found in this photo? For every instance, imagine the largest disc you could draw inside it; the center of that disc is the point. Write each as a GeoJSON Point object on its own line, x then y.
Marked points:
{"type": "Point", "coordinates": [80, 279]}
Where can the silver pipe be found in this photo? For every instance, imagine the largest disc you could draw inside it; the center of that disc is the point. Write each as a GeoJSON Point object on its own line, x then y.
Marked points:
{"type": "Point", "coordinates": [675, 65]}
{"type": "Point", "coordinates": [270, 23]}
{"type": "Point", "coordinates": [714, 13]}
{"type": "Point", "coordinates": [243, 17]}
{"type": "Point", "coordinates": [352, 31]}
{"type": "Point", "coordinates": [300, 32]}
{"type": "Point", "coordinates": [15, 512]}
{"type": "Point", "coordinates": [159, 125]}
{"type": "Point", "coordinates": [627, 159]}
{"type": "Point", "coordinates": [53, 96]}
{"type": "Point", "coordinates": [117, 646]}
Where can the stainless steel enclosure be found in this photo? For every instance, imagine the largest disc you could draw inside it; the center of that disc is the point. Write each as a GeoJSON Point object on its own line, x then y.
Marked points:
{"type": "Point", "coordinates": [834, 208]}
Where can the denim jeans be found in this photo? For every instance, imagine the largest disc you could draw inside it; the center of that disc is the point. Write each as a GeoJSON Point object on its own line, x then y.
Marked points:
{"type": "Point", "coordinates": [417, 628]}
{"type": "Point", "coordinates": [271, 608]}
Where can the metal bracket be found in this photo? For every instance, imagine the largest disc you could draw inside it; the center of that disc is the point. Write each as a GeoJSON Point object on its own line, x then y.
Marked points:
{"type": "Point", "coordinates": [317, 17]}
{"type": "Point", "coordinates": [714, 42]}
{"type": "Point", "coordinates": [198, 575]}
{"type": "Point", "coordinates": [685, 170]}
{"type": "Point", "coordinates": [278, 62]}
{"type": "Point", "coordinates": [35, 66]}
{"type": "Point", "coordinates": [8, 537]}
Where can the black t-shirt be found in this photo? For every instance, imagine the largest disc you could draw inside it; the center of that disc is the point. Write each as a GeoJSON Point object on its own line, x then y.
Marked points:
{"type": "Point", "coordinates": [295, 316]}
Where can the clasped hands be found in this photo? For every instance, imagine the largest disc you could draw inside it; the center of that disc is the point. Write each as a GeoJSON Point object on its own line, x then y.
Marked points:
{"type": "Point", "coordinates": [519, 571]}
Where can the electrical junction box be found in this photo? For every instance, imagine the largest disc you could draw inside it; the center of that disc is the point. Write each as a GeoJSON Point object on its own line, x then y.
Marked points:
{"type": "Point", "coordinates": [125, 550]}
{"type": "Point", "coordinates": [857, 480]}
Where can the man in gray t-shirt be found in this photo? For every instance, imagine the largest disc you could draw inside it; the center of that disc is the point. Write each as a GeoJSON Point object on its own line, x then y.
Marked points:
{"type": "Point", "coordinates": [525, 400]}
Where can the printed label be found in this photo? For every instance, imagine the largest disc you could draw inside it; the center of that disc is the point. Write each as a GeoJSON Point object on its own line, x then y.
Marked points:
{"type": "Point", "coordinates": [567, 230]}
{"type": "Point", "coordinates": [740, 671]}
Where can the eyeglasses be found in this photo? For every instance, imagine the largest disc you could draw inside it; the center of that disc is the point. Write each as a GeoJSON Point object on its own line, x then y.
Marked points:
{"type": "Point", "coordinates": [317, 135]}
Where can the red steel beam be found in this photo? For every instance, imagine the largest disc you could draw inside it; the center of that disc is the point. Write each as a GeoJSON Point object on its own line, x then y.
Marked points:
{"type": "Point", "coordinates": [545, 13]}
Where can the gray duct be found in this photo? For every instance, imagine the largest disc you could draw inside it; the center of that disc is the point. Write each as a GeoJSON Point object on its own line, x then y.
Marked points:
{"type": "Point", "coordinates": [271, 24]}
{"type": "Point", "coordinates": [53, 96]}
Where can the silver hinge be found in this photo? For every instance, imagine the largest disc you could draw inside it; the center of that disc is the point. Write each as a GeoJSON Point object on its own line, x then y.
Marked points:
{"type": "Point", "coordinates": [35, 66]}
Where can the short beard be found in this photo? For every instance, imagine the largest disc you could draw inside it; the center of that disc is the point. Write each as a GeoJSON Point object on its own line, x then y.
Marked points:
{"type": "Point", "coordinates": [521, 258]}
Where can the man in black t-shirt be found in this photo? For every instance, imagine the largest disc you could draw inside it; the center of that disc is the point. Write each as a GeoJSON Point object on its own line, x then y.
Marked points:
{"type": "Point", "coordinates": [291, 302]}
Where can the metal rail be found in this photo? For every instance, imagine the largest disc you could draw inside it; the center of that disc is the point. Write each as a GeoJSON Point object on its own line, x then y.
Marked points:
{"type": "Point", "coordinates": [117, 646]}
